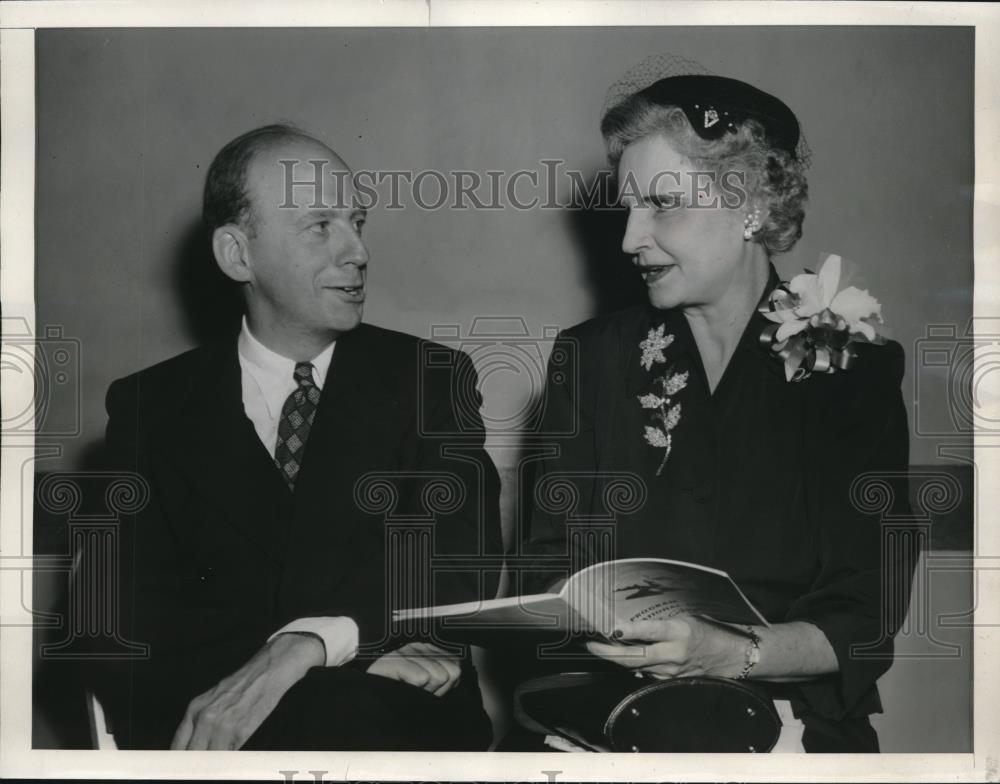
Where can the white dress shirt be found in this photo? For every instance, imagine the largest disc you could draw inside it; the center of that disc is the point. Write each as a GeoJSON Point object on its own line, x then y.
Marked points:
{"type": "Point", "coordinates": [267, 381]}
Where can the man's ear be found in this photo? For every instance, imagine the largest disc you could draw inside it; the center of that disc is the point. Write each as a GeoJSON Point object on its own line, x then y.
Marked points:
{"type": "Point", "coordinates": [229, 244]}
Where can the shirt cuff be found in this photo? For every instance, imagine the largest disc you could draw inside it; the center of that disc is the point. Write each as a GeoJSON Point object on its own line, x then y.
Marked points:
{"type": "Point", "coordinates": [339, 636]}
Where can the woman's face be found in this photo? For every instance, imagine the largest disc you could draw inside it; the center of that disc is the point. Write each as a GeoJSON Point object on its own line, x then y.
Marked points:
{"type": "Point", "coordinates": [685, 242]}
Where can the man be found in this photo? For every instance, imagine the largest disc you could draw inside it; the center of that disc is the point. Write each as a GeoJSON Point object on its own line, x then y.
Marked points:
{"type": "Point", "coordinates": [261, 572]}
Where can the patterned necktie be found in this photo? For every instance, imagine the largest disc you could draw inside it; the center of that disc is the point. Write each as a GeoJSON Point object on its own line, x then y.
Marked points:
{"type": "Point", "coordinates": [297, 416]}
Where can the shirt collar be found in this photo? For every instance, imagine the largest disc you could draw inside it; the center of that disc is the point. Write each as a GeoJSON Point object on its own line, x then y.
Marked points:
{"type": "Point", "coordinates": [273, 372]}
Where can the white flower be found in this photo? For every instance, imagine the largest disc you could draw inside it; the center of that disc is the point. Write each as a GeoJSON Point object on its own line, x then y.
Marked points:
{"type": "Point", "coordinates": [852, 304]}
{"type": "Point", "coordinates": [656, 437]}
{"type": "Point", "coordinates": [783, 305]}
{"type": "Point", "coordinates": [673, 417]}
{"type": "Point", "coordinates": [651, 401]}
{"type": "Point", "coordinates": [816, 293]}
{"type": "Point", "coordinates": [676, 383]}
{"type": "Point", "coordinates": [652, 347]}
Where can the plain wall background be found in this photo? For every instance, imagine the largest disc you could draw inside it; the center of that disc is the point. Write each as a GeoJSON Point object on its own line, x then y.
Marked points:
{"type": "Point", "coordinates": [128, 121]}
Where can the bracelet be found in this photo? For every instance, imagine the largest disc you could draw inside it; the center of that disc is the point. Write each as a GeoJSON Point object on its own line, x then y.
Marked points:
{"type": "Point", "coordinates": [752, 654]}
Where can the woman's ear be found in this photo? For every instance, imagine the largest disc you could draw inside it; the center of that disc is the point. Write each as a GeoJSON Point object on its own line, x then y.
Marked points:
{"type": "Point", "coordinates": [229, 245]}
{"type": "Point", "coordinates": [754, 219]}
{"type": "Point", "coordinates": [763, 213]}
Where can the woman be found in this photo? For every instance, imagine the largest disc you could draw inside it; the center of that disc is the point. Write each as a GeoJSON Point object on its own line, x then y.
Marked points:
{"type": "Point", "coordinates": [752, 473]}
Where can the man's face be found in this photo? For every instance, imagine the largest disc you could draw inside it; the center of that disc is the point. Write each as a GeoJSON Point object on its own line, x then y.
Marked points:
{"type": "Point", "coordinates": [306, 258]}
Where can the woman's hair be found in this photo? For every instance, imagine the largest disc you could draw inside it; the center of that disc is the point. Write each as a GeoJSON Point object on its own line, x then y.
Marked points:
{"type": "Point", "coordinates": [774, 179]}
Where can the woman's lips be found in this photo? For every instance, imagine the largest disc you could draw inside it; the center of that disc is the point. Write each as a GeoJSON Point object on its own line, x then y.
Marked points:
{"type": "Point", "coordinates": [653, 274]}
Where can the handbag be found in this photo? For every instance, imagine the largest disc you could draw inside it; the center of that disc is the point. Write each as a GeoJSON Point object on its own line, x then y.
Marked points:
{"type": "Point", "coordinates": [620, 712]}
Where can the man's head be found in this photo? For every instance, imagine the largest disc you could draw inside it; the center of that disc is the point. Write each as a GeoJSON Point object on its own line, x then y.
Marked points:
{"type": "Point", "coordinates": [285, 224]}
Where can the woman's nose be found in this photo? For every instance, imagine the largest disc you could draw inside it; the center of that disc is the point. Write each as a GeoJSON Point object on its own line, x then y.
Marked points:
{"type": "Point", "coordinates": [636, 233]}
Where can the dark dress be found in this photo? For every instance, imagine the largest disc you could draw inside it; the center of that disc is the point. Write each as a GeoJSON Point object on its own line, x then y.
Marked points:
{"type": "Point", "coordinates": [758, 483]}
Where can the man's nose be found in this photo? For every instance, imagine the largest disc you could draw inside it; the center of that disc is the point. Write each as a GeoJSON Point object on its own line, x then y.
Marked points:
{"type": "Point", "coordinates": [355, 253]}
{"type": "Point", "coordinates": [636, 232]}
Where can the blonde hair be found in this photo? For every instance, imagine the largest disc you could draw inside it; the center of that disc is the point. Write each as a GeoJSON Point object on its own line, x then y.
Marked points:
{"type": "Point", "coordinates": [773, 178]}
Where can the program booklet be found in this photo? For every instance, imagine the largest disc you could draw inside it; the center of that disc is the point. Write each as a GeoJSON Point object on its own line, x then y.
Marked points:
{"type": "Point", "coordinates": [595, 601]}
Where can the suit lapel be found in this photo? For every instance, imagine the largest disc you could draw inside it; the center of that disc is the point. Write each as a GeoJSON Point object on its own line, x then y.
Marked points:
{"type": "Point", "coordinates": [216, 446]}
{"type": "Point", "coordinates": [357, 429]}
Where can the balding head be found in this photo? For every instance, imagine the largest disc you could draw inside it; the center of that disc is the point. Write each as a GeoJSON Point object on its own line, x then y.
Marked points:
{"type": "Point", "coordinates": [227, 198]}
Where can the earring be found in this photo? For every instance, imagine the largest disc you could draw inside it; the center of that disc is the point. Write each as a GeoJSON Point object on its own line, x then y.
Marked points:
{"type": "Point", "coordinates": [751, 224]}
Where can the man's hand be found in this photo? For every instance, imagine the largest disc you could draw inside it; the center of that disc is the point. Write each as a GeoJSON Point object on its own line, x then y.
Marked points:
{"type": "Point", "coordinates": [225, 716]}
{"type": "Point", "coordinates": [422, 665]}
{"type": "Point", "coordinates": [677, 648]}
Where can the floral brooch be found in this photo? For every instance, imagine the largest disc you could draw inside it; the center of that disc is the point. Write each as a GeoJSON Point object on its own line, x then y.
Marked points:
{"type": "Point", "coordinates": [664, 413]}
{"type": "Point", "coordinates": [815, 324]}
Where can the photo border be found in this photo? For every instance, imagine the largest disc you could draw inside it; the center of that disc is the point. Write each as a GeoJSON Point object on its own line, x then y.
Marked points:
{"type": "Point", "coordinates": [18, 21]}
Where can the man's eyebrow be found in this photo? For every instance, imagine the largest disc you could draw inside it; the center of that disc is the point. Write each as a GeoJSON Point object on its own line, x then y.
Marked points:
{"type": "Point", "coordinates": [326, 212]}
{"type": "Point", "coordinates": [330, 213]}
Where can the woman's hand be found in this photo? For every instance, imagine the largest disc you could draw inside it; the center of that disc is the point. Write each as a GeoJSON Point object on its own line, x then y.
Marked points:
{"type": "Point", "coordinates": [677, 648]}
{"type": "Point", "coordinates": [422, 665]}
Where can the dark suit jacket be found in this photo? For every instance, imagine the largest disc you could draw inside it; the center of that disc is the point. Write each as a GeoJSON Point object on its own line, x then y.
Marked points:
{"type": "Point", "coordinates": [225, 554]}
{"type": "Point", "coordinates": [758, 483]}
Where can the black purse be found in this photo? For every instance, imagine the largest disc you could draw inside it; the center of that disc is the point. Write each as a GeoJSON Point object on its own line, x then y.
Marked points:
{"type": "Point", "coordinates": [618, 712]}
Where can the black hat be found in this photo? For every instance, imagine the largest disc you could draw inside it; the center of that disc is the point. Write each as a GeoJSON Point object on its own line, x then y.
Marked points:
{"type": "Point", "coordinates": [716, 105]}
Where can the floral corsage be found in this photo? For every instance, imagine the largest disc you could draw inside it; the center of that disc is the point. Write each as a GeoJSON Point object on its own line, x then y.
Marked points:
{"type": "Point", "coordinates": [815, 324]}
{"type": "Point", "coordinates": [664, 412]}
